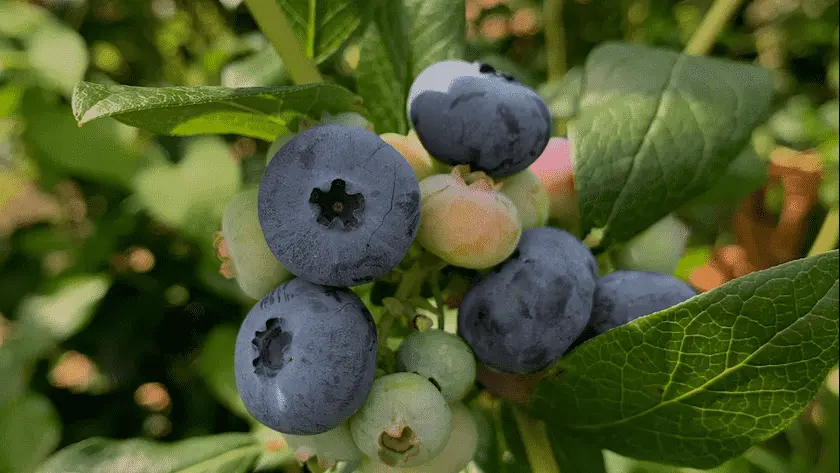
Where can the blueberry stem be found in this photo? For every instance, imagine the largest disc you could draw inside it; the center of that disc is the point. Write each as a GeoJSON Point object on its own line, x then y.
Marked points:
{"type": "Point", "coordinates": [537, 446]}
{"type": "Point", "coordinates": [350, 466]}
{"type": "Point", "coordinates": [827, 237]}
{"type": "Point", "coordinates": [441, 314]}
{"type": "Point", "coordinates": [274, 25]}
{"type": "Point", "coordinates": [719, 14]}
{"type": "Point", "coordinates": [555, 39]}
{"type": "Point", "coordinates": [313, 466]}
{"type": "Point", "coordinates": [407, 284]}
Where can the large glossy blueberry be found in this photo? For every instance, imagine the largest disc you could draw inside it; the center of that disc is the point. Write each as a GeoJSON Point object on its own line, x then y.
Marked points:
{"type": "Point", "coordinates": [305, 357]}
{"type": "Point", "coordinates": [471, 114]}
{"type": "Point", "coordinates": [339, 206]}
{"type": "Point", "coordinates": [524, 315]}
{"type": "Point", "coordinates": [623, 296]}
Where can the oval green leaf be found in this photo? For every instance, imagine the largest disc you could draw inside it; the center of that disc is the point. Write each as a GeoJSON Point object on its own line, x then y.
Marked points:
{"type": "Point", "coordinates": [654, 129]}
{"type": "Point", "coordinates": [322, 26]}
{"type": "Point", "coordinates": [29, 429]}
{"type": "Point", "coordinates": [383, 71]}
{"type": "Point", "coordinates": [701, 382]}
{"type": "Point", "coordinates": [258, 112]}
{"type": "Point", "coordinates": [403, 40]}
{"type": "Point", "coordinates": [227, 453]}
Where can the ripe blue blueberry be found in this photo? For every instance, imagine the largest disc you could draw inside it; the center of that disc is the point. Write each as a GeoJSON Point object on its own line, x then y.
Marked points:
{"type": "Point", "coordinates": [623, 296]}
{"type": "Point", "coordinates": [522, 317]}
{"type": "Point", "coordinates": [339, 206]}
{"type": "Point", "coordinates": [305, 357]}
{"type": "Point", "coordinates": [443, 358]}
{"type": "Point", "coordinates": [470, 114]}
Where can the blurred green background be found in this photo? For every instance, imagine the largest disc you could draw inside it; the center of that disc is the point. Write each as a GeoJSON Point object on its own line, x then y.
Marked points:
{"type": "Point", "coordinates": [114, 319]}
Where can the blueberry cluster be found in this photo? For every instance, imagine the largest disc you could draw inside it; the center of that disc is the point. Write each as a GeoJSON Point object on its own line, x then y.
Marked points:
{"type": "Point", "coordinates": [547, 298]}
{"type": "Point", "coordinates": [338, 210]}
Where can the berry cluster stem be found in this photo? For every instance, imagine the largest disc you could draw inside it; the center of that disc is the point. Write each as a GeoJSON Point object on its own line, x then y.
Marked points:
{"type": "Point", "coordinates": [441, 314]}
{"type": "Point", "coordinates": [274, 25]}
{"type": "Point", "coordinates": [555, 39]}
{"type": "Point", "coordinates": [712, 26]}
{"type": "Point", "coordinates": [537, 447]}
{"type": "Point", "coordinates": [407, 284]}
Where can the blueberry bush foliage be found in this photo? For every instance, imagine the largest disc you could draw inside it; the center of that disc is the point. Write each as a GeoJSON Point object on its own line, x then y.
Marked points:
{"type": "Point", "coordinates": [129, 127]}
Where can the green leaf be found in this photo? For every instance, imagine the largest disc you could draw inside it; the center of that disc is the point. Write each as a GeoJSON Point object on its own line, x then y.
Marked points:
{"type": "Point", "coordinates": [276, 452]}
{"type": "Point", "coordinates": [226, 453]}
{"type": "Point", "coordinates": [216, 366]}
{"type": "Point", "coordinates": [191, 196]}
{"type": "Point", "coordinates": [515, 457]}
{"type": "Point", "coordinates": [402, 41]}
{"type": "Point", "coordinates": [745, 175]}
{"type": "Point", "coordinates": [562, 96]}
{"type": "Point", "coordinates": [103, 151]}
{"type": "Point", "coordinates": [12, 372]}
{"type": "Point", "coordinates": [64, 311]}
{"type": "Point", "coordinates": [437, 32]}
{"type": "Point", "coordinates": [701, 382]}
{"type": "Point", "coordinates": [500, 447]}
{"type": "Point", "coordinates": [29, 432]}
{"type": "Point", "coordinates": [322, 26]}
{"type": "Point", "coordinates": [574, 453]}
{"type": "Point", "coordinates": [259, 112]}
{"type": "Point", "coordinates": [383, 70]}
{"type": "Point", "coordinates": [830, 458]}
{"type": "Point", "coordinates": [264, 67]}
{"type": "Point", "coordinates": [654, 129]}
{"type": "Point", "coordinates": [59, 57]}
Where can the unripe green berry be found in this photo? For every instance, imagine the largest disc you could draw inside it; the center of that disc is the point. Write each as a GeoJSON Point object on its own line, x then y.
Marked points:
{"type": "Point", "coordinates": [256, 270]}
{"type": "Point", "coordinates": [348, 119]}
{"type": "Point", "coordinates": [278, 143]}
{"type": "Point", "coordinates": [657, 249]}
{"type": "Point", "coordinates": [444, 358]}
{"type": "Point", "coordinates": [404, 422]}
{"type": "Point", "coordinates": [455, 456]}
{"type": "Point", "coordinates": [329, 447]}
{"type": "Point", "coordinates": [530, 197]}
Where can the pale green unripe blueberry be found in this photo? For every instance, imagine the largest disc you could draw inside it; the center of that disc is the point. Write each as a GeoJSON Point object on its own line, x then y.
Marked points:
{"type": "Point", "coordinates": [329, 447]}
{"type": "Point", "coordinates": [404, 422]}
{"type": "Point", "coordinates": [346, 118]}
{"type": "Point", "coordinates": [455, 456]}
{"type": "Point", "coordinates": [256, 270]}
{"type": "Point", "coordinates": [530, 196]}
{"type": "Point", "coordinates": [658, 249]}
{"type": "Point", "coordinates": [278, 143]}
{"type": "Point", "coordinates": [443, 358]}
{"type": "Point", "coordinates": [471, 226]}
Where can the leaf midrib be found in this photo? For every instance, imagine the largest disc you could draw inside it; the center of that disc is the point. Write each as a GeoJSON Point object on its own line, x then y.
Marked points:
{"type": "Point", "coordinates": [643, 144]}
{"type": "Point", "coordinates": [711, 381]}
{"type": "Point", "coordinates": [310, 28]}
